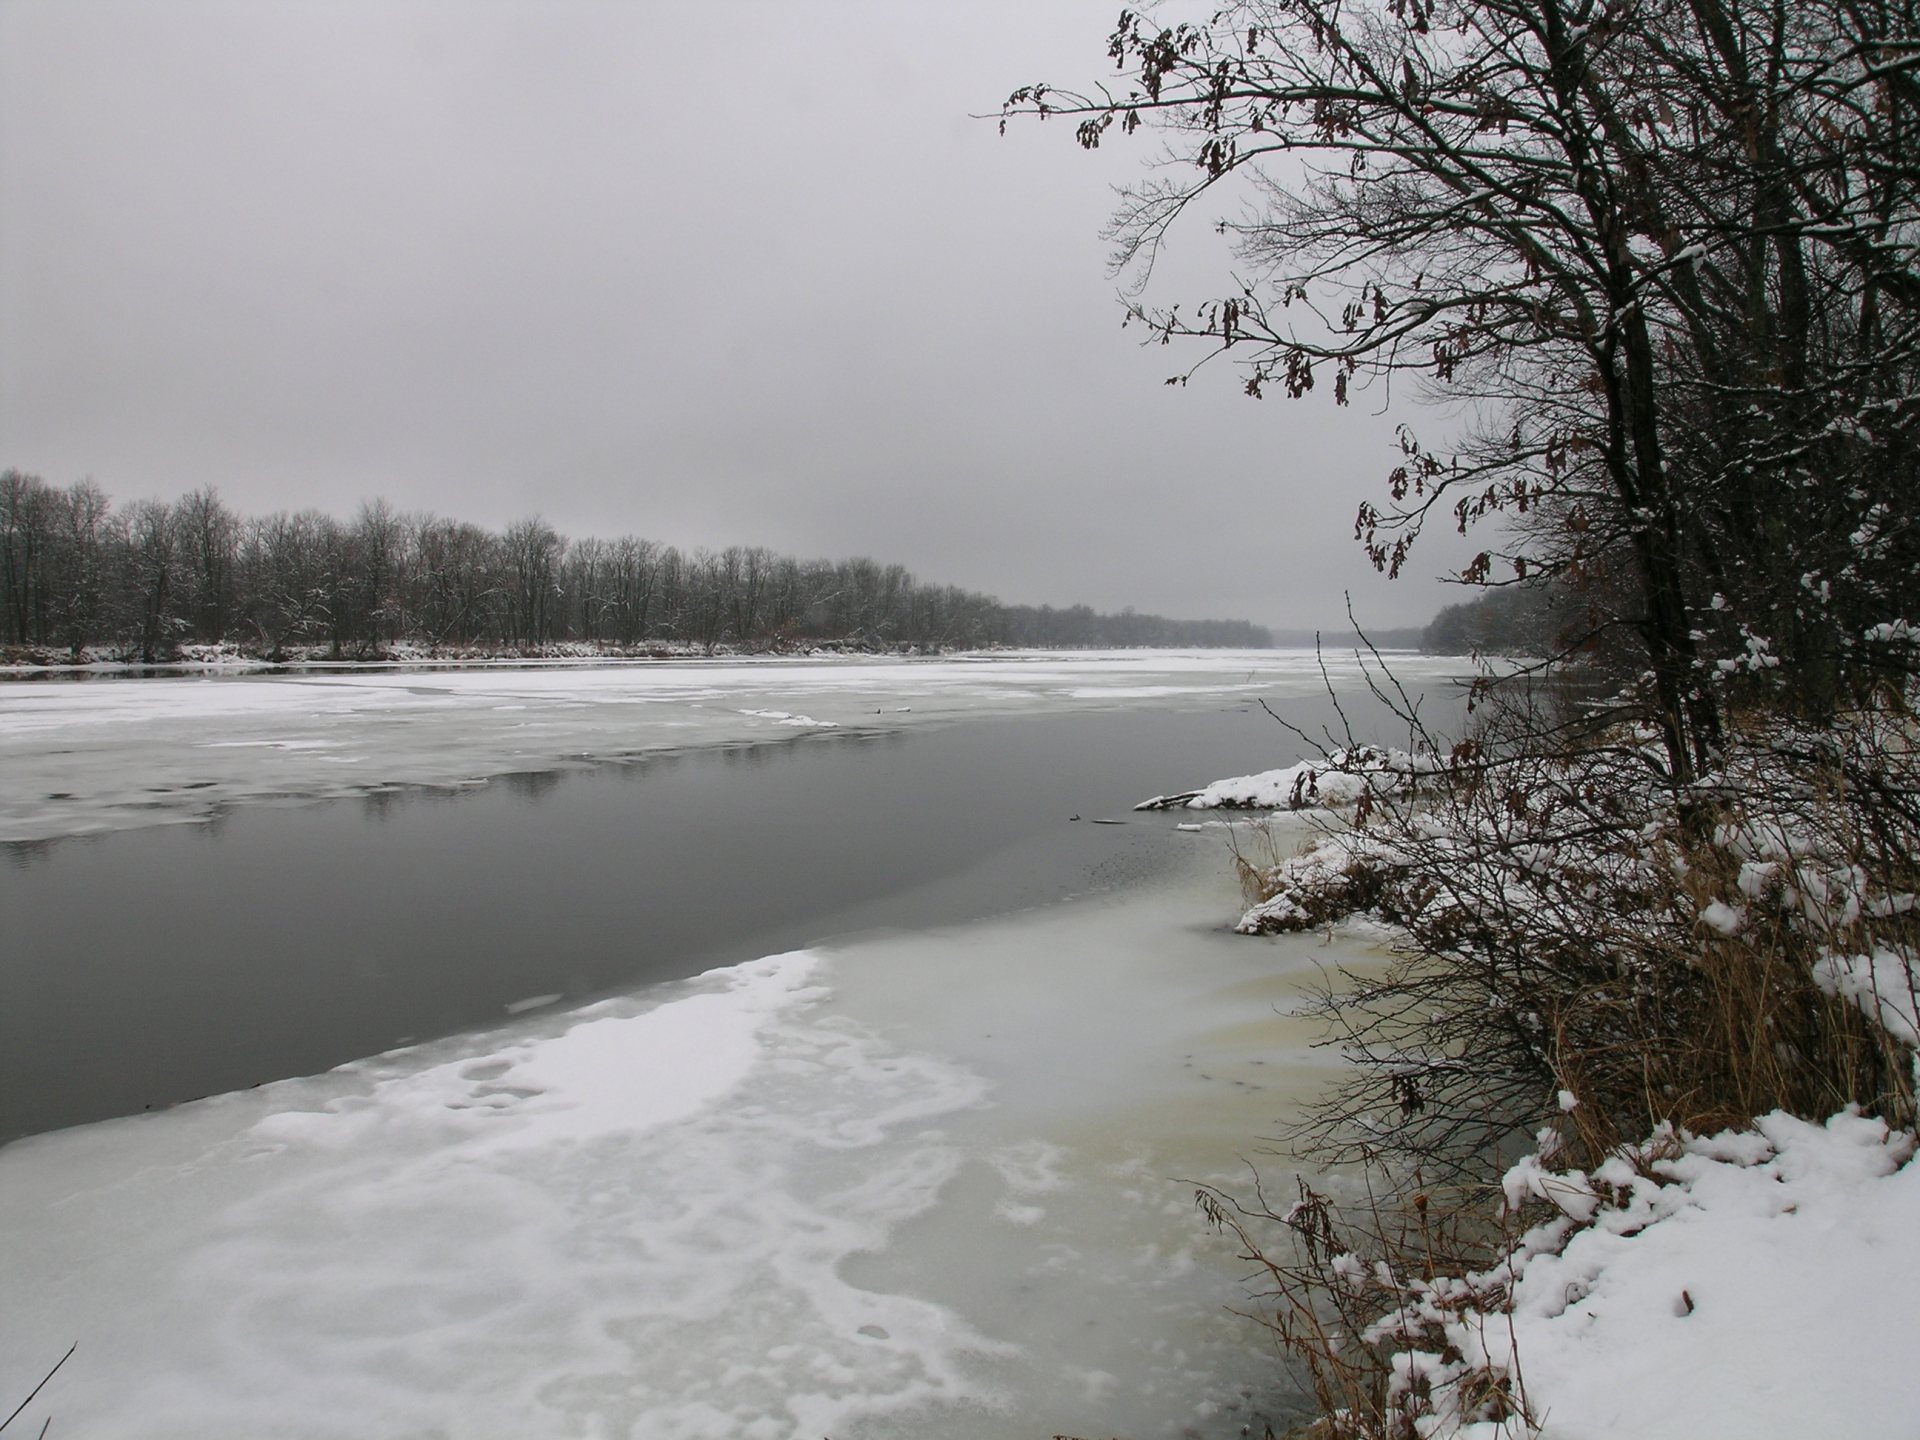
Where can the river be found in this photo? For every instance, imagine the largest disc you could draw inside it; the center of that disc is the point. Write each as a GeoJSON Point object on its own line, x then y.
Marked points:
{"type": "Point", "coordinates": [930, 1173]}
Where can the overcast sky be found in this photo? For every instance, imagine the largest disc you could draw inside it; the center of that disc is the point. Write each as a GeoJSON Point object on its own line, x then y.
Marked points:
{"type": "Point", "coordinates": [713, 273]}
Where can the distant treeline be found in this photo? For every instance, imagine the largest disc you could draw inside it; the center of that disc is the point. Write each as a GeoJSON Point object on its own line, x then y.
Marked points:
{"type": "Point", "coordinates": [1513, 620]}
{"type": "Point", "coordinates": [1348, 637]}
{"type": "Point", "coordinates": [139, 580]}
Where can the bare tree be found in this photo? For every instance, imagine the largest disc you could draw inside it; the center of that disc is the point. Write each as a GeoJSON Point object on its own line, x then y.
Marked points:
{"type": "Point", "coordinates": [26, 538]}
{"type": "Point", "coordinates": [533, 550]}
{"type": "Point", "coordinates": [286, 596]}
{"type": "Point", "coordinates": [633, 577]}
{"type": "Point", "coordinates": [74, 571]}
{"type": "Point", "coordinates": [150, 572]}
{"type": "Point", "coordinates": [81, 575]}
{"type": "Point", "coordinates": [209, 540]}
{"type": "Point", "coordinates": [1559, 212]}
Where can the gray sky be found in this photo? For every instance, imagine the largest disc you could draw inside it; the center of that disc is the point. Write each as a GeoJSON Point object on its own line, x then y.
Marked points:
{"type": "Point", "coordinates": [713, 273]}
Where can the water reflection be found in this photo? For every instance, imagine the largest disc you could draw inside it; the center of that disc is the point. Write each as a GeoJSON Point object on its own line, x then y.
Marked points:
{"type": "Point", "coordinates": [531, 785]}
{"type": "Point", "coordinates": [23, 853]}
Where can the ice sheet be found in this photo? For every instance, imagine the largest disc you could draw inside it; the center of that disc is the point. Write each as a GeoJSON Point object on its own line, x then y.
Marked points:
{"type": "Point", "coordinates": [627, 1223]}
{"type": "Point", "coordinates": [95, 755]}
{"type": "Point", "coordinates": [928, 1185]}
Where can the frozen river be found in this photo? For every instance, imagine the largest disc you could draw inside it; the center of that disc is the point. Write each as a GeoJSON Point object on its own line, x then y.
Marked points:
{"type": "Point", "coordinates": [83, 757]}
{"type": "Point", "coordinates": [925, 1178]}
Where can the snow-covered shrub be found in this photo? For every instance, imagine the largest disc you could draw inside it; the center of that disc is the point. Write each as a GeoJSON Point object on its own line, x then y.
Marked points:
{"type": "Point", "coordinates": [1641, 1297]}
{"type": "Point", "coordinates": [1568, 923]}
{"type": "Point", "coordinates": [1594, 970]}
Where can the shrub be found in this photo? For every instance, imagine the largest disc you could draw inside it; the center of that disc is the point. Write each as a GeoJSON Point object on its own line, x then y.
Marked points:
{"type": "Point", "coordinates": [1588, 956]}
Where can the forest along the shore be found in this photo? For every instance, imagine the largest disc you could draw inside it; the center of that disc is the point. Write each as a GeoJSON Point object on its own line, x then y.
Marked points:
{"type": "Point", "coordinates": [81, 577]}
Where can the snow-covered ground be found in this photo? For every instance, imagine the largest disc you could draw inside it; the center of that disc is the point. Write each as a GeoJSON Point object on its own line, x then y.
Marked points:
{"type": "Point", "coordinates": [928, 1184]}
{"type": "Point", "coordinates": [80, 757]}
{"type": "Point", "coordinates": [1748, 1285]}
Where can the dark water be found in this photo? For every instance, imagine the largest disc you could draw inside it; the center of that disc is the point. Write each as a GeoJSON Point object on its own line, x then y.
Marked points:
{"type": "Point", "coordinates": [142, 969]}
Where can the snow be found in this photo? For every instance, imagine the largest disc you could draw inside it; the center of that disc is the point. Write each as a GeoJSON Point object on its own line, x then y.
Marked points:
{"type": "Point", "coordinates": [1722, 918]}
{"type": "Point", "coordinates": [111, 754]}
{"type": "Point", "coordinates": [1568, 1191]}
{"type": "Point", "coordinates": [617, 1075]}
{"type": "Point", "coordinates": [1882, 984]}
{"type": "Point", "coordinates": [1341, 778]}
{"type": "Point", "coordinates": [786, 717]}
{"type": "Point", "coordinates": [1754, 1285]}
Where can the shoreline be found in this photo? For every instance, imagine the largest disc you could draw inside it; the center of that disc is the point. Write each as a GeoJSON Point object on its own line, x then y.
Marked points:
{"type": "Point", "coordinates": [239, 660]}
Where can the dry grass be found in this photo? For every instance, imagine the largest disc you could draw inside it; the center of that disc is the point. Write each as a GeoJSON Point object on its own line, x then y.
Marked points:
{"type": "Point", "coordinates": [1363, 1282]}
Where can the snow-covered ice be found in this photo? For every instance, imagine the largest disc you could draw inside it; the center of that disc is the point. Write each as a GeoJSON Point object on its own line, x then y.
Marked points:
{"type": "Point", "coordinates": [919, 1184]}
{"type": "Point", "coordinates": [625, 1221]}
{"type": "Point", "coordinates": [87, 756]}
{"type": "Point", "coordinates": [784, 717]}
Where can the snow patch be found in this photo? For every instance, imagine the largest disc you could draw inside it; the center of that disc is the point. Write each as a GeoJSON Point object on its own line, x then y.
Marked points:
{"type": "Point", "coordinates": [1342, 778]}
{"type": "Point", "coordinates": [787, 717]}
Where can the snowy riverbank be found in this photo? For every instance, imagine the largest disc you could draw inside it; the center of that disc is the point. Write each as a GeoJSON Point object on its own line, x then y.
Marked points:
{"type": "Point", "coordinates": [1747, 1285]}
{"type": "Point", "coordinates": [1752, 1284]}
